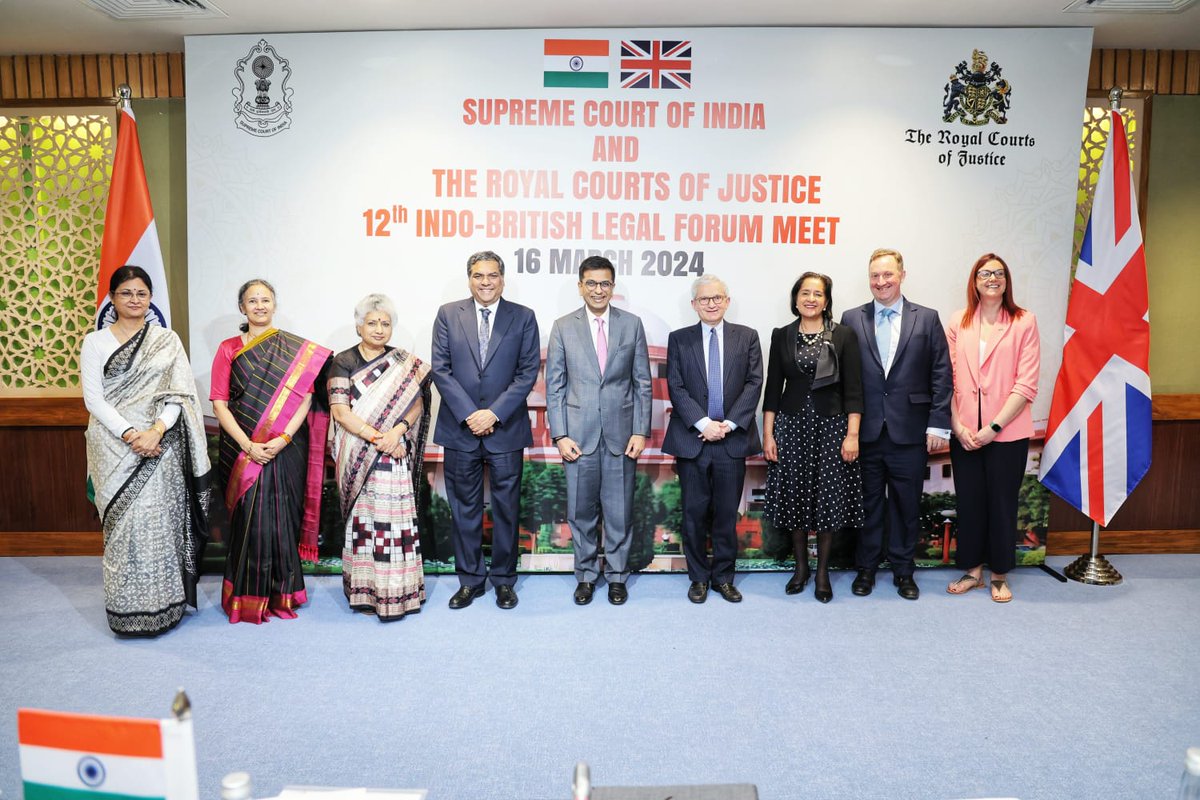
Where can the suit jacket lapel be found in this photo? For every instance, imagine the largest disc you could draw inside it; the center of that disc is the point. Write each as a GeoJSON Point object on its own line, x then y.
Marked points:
{"type": "Point", "coordinates": [732, 346]}
{"type": "Point", "coordinates": [867, 320]}
{"type": "Point", "coordinates": [970, 336]}
{"type": "Point", "coordinates": [584, 323]}
{"type": "Point", "coordinates": [908, 323]}
{"type": "Point", "coordinates": [1002, 326]}
{"type": "Point", "coordinates": [501, 321]}
{"type": "Point", "coordinates": [696, 348]}
{"type": "Point", "coordinates": [468, 318]}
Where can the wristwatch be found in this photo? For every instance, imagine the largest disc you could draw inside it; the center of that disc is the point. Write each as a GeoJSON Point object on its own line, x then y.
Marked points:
{"type": "Point", "coordinates": [996, 426]}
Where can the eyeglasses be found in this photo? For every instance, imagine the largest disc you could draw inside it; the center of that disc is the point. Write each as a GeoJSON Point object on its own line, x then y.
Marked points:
{"type": "Point", "coordinates": [989, 273]}
{"type": "Point", "coordinates": [129, 294]}
{"type": "Point", "coordinates": [593, 285]}
{"type": "Point", "coordinates": [714, 300]}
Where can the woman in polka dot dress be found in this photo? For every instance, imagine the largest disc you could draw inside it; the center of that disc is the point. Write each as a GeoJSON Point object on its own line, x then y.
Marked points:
{"type": "Point", "coordinates": [811, 412]}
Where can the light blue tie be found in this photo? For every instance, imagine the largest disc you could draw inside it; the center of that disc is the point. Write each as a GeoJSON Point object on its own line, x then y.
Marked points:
{"type": "Point", "coordinates": [883, 334]}
{"type": "Point", "coordinates": [485, 333]}
{"type": "Point", "coordinates": [716, 394]}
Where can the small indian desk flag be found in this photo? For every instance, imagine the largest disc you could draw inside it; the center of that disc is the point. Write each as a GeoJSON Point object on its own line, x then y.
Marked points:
{"type": "Point", "coordinates": [84, 757]}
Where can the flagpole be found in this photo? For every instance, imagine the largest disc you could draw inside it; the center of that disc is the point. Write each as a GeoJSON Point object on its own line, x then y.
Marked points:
{"type": "Point", "coordinates": [1095, 568]}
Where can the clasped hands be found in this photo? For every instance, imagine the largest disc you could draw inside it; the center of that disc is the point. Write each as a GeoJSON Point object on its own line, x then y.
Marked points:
{"type": "Point", "coordinates": [715, 430]}
{"type": "Point", "coordinates": [482, 422]}
{"type": "Point", "coordinates": [144, 443]}
{"type": "Point", "coordinates": [974, 440]}
{"type": "Point", "coordinates": [264, 452]}
{"type": "Point", "coordinates": [568, 448]}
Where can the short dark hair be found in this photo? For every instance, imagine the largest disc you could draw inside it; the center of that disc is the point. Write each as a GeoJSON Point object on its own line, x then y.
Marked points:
{"type": "Point", "coordinates": [597, 262]}
{"type": "Point", "coordinates": [827, 314]}
{"type": "Point", "coordinates": [129, 273]}
{"type": "Point", "coordinates": [484, 255]}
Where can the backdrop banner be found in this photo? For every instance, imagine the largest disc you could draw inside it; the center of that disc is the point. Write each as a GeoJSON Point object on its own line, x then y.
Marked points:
{"type": "Point", "coordinates": [338, 164]}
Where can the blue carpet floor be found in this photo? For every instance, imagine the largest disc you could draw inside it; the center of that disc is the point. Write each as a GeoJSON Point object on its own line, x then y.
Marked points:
{"type": "Point", "coordinates": [1070, 691]}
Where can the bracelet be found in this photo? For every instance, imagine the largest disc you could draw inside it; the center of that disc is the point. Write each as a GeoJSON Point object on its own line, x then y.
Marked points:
{"type": "Point", "coordinates": [127, 431]}
{"type": "Point", "coordinates": [360, 430]}
{"type": "Point", "coordinates": [158, 426]}
{"type": "Point", "coordinates": [249, 446]}
{"type": "Point", "coordinates": [285, 437]}
{"type": "Point", "coordinates": [407, 425]}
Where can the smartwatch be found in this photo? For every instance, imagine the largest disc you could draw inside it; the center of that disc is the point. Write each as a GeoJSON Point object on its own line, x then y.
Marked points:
{"type": "Point", "coordinates": [996, 426]}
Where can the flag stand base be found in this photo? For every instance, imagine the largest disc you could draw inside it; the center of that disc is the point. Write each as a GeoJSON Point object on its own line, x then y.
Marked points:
{"type": "Point", "coordinates": [1093, 569]}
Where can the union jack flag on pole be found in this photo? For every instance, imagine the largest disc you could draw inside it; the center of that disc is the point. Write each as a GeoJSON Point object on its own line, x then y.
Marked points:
{"type": "Point", "coordinates": [1098, 436]}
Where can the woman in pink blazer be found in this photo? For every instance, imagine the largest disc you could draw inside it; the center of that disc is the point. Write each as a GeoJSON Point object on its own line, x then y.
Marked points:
{"type": "Point", "coordinates": [995, 353]}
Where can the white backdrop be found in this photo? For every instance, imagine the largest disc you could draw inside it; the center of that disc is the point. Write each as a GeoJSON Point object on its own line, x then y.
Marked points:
{"type": "Point", "coordinates": [379, 132]}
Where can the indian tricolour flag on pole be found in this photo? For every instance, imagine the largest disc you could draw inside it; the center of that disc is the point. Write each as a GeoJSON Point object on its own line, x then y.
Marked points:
{"type": "Point", "coordinates": [78, 756]}
{"type": "Point", "coordinates": [576, 63]}
{"type": "Point", "coordinates": [130, 235]}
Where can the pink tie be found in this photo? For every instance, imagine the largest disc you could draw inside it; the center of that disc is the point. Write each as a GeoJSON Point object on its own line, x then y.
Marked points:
{"type": "Point", "coordinates": [601, 345]}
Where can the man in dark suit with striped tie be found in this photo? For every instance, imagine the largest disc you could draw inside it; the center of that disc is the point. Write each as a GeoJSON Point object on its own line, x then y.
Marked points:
{"type": "Point", "coordinates": [485, 361]}
{"type": "Point", "coordinates": [714, 376]}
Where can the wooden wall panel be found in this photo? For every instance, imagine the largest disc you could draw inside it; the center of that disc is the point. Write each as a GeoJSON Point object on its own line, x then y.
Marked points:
{"type": "Point", "coordinates": [89, 77]}
{"type": "Point", "coordinates": [95, 77]}
{"type": "Point", "coordinates": [45, 482]}
{"type": "Point", "coordinates": [1151, 71]}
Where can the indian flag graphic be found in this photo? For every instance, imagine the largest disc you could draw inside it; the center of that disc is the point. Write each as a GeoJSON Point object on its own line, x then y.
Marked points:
{"type": "Point", "coordinates": [576, 63]}
{"type": "Point", "coordinates": [84, 757]}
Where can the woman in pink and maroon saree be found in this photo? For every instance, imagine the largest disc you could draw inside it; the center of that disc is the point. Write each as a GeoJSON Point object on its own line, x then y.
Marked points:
{"type": "Point", "coordinates": [379, 401]}
{"type": "Point", "coordinates": [272, 457]}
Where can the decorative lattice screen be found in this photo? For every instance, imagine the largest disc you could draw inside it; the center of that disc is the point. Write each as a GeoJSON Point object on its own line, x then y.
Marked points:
{"type": "Point", "coordinates": [54, 174]}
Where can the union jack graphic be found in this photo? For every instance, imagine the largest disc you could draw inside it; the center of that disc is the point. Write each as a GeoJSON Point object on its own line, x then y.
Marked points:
{"type": "Point", "coordinates": [1098, 436]}
{"type": "Point", "coordinates": [656, 64]}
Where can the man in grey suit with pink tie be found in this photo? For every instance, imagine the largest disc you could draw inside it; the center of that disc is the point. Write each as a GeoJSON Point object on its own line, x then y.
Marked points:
{"type": "Point", "coordinates": [598, 399]}
{"type": "Point", "coordinates": [714, 374]}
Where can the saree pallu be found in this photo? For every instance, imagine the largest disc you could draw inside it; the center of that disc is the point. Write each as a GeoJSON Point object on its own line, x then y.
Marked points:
{"type": "Point", "coordinates": [382, 570]}
{"type": "Point", "coordinates": [154, 510]}
{"type": "Point", "coordinates": [274, 508]}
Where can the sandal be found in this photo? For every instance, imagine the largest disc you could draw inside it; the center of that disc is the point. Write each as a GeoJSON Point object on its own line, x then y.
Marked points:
{"type": "Point", "coordinates": [999, 586]}
{"type": "Point", "coordinates": [965, 584]}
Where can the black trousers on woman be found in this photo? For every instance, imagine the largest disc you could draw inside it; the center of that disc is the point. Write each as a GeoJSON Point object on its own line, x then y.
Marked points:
{"type": "Point", "coordinates": [987, 482]}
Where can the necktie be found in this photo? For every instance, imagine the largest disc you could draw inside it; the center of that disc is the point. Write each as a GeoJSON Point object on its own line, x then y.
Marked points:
{"type": "Point", "coordinates": [484, 333]}
{"type": "Point", "coordinates": [716, 395]}
{"type": "Point", "coordinates": [883, 334]}
{"type": "Point", "coordinates": [601, 345]}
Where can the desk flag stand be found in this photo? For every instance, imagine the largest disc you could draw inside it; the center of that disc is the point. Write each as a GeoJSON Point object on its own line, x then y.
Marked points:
{"type": "Point", "coordinates": [1093, 568]}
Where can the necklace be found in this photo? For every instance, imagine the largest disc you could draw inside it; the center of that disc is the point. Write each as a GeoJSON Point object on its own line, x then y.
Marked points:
{"type": "Point", "coordinates": [810, 338]}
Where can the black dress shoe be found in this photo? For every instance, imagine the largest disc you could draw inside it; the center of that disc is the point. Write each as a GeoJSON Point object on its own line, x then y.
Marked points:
{"type": "Point", "coordinates": [698, 592]}
{"type": "Point", "coordinates": [796, 584]}
{"type": "Point", "coordinates": [583, 593]}
{"type": "Point", "coordinates": [506, 597]}
{"type": "Point", "coordinates": [617, 593]}
{"type": "Point", "coordinates": [728, 591]}
{"type": "Point", "coordinates": [465, 594]}
{"type": "Point", "coordinates": [906, 587]}
{"type": "Point", "coordinates": [864, 582]}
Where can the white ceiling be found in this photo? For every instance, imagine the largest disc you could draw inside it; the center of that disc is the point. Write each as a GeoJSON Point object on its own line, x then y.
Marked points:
{"type": "Point", "coordinates": [70, 26]}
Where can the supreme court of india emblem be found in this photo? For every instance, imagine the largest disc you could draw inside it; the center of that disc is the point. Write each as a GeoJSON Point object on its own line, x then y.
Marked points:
{"type": "Point", "coordinates": [976, 94]}
{"type": "Point", "coordinates": [262, 100]}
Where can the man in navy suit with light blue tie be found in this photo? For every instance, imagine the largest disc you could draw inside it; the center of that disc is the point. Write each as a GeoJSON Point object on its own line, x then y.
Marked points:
{"type": "Point", "coordinates": [907, 386]}
{"type": "Point", "coordinates": [714, 376]}
{"type": "Point", "coordinates": [598, 398]}
{"type": "Point", "coordinates": [485, 361]}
